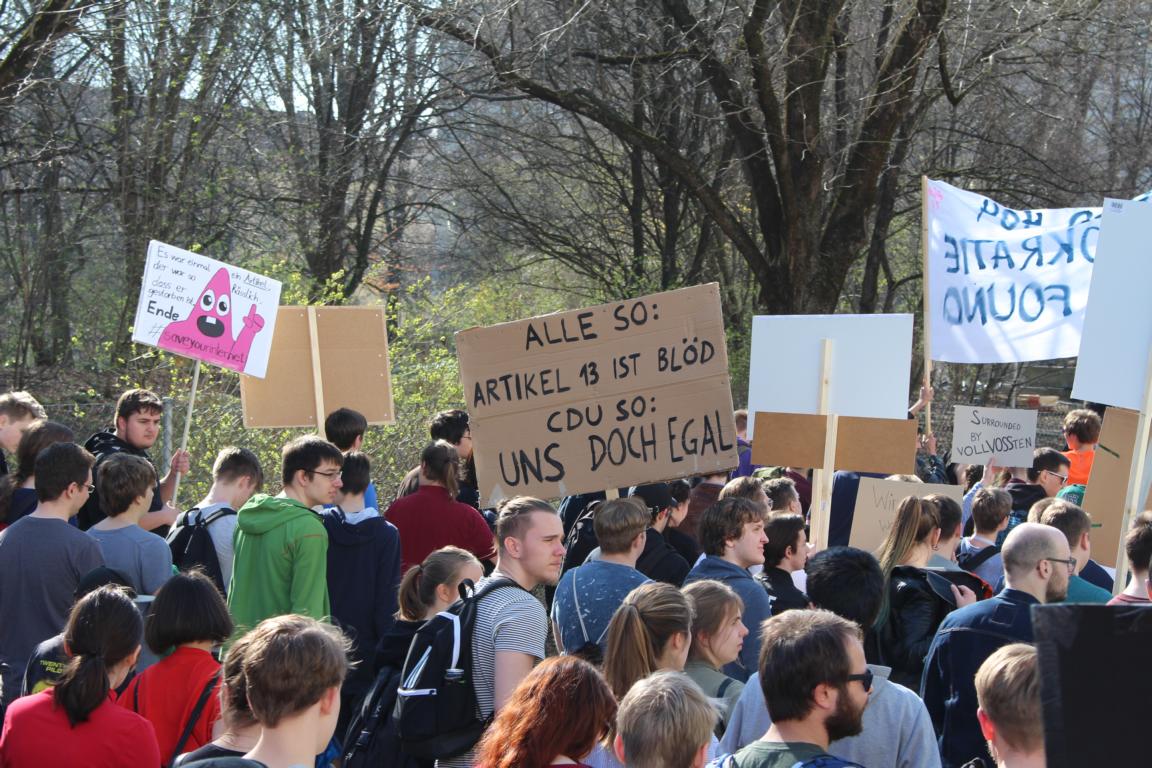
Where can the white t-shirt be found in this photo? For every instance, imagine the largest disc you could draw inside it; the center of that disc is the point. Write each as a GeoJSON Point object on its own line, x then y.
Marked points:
{"type": "Point", "coordinates": [509, 619]}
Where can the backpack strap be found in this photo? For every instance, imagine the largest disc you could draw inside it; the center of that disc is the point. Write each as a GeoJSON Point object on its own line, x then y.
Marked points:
{"type": "Point", "coordinates": [973, 562]}
{"type": "Point", "coordinates": [222, 512]}
{"type": "Point", "coordinates": [723, 687]}
{"type": "Point", "coordinates": [194, 717]}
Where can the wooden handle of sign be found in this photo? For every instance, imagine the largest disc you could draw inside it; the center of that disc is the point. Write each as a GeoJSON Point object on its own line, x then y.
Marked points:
{"type": "Point", "coordinates": [927, 313]}
{"type": "Point", "coordinates": [611, 493]}
{"type": "Point", "coordinates": [317, 373]}
{"type": "Point", "coordinates": [1134, 499]}
{"type": "Point", "coordinates": [819, 512]}
{"type": "Point", "coordinates": [187, 427]}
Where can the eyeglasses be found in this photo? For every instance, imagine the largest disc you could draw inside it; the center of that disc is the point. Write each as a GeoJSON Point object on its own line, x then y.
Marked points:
{"type": "Point", "coordinates": [865, 679]}
{"type": "Point", "coordinates": [336, 473]}
{"type": "Point", "coordinates": [90, 487]}
{"type": "Point", "coordinates": [1070, 562]}
{"type": "Point", "coordinates": [1063, 478]}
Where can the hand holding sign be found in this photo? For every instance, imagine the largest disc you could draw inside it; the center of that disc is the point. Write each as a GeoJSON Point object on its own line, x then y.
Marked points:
{"type": "Point", "coordinates": [1003, 435]}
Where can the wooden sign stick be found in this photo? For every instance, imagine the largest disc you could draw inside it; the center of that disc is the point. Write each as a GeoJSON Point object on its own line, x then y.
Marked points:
{"type": "Point", "coordinates": [187, 427]}
{"type": "Point", "coordinates": [317, 373]}
{"type": "Point", "coordinates": [1133, 499]}
{"type": "Point", "coordinates": [819, 510]}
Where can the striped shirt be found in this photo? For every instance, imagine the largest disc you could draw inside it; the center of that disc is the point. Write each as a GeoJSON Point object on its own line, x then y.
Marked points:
{"type": "Point", "coordinates": [508, 619]}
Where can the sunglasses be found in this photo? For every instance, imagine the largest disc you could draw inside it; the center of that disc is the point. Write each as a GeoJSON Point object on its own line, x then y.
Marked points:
{"type": "Point", "coordinates": [865, 679]}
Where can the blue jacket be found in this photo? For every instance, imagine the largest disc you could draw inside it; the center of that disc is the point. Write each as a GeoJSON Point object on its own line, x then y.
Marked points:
{"type": "Point", "coordinates": [757, 608]}
{"type": "Point", "coordinates": [967, 637]}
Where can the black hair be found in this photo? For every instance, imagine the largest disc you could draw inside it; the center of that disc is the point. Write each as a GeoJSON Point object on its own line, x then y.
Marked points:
{"type": "Point", "coordinates": [1046, 460]}
{"type": "Point", "coordinates": [307, 453]}
{"type": "Point", "coordinates": [356, 473]}
{"type": "Point", "coordinates": [343, 426]}
{"type": "Point", "coordinates": [848, 582]}
{"type": "Point", "coordinates": [59, 466]}
{"type": "Point", "coordinates": [103, 630]}
{"type": "Point", "coordinates": [187, 609]}
{"type": "Point", "coordinates": [449, 425]}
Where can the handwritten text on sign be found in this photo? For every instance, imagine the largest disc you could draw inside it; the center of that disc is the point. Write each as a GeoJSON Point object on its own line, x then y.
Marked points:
{"type": "Point", "coordinates": [206, 310]}
{"type": "Point", "coordinates": [878, 501]}
{"type": "Point", "coordinates": [1006, 285]}
{"type": "Point", "coordinates": [1007, 435]}
{"type": "Point", "coordinates": [608, 396]}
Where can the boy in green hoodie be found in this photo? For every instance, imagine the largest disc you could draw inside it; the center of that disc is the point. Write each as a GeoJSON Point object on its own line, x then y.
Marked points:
{"type": "Point", "coordinates": [281, 547]}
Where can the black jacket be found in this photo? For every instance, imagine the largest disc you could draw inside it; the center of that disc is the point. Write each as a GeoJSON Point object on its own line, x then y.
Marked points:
{"type": "Point", "coordinates": [102, 445]}
{"type": "Point", "coordinates": [782, 591]}
{"type": "Point", "coordinates": [661, 562]}
{"type": "Point", "coordinates": [918, 600]}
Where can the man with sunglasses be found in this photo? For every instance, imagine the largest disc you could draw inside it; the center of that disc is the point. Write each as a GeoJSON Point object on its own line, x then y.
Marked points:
{"type": "Point", "coordinates": [815, 684]}
{"type": "Point", "coordinates": [1037, 566]}
{"type": "Point", "coordinates": [1047, 475]}
{"type": "Point", "coordinates": [896, 730]}
{"type": "Point", "coordinates": [281, 547]}
{"type": "Point", "coordinates": [43, 558]}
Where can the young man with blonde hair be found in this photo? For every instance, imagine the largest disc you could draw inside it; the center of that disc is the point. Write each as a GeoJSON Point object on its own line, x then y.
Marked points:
{"type": "Point", "coordinates": [588, 595]}
{"type": "Point", "coordinates": [664, 721]}
{"type": "Point", "coordinates": [1010, 715]}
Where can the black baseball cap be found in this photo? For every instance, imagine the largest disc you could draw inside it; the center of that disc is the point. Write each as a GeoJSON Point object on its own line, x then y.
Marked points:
{"type": "Point", "coordinates": [657, 496]}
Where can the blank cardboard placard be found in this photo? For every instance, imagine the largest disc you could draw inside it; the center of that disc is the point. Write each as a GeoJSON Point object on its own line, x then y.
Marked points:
{"type": "Point", "coordinates": [871, 361]}
{"type": "Point", "coordinates": [1104, 496]}
{"type": "Point", "coordinates": [1007, 435]}
{"type": "Point", "coordinates": [862, 445]}
{"type": "Point", "coordinates": [1113, 363]}
{"type": "Point", "coordinates": [877, 502]}
{"type": "Point", "coordinates": [629, 392]}
{"type": "Point", "coordinates": [351, 348]}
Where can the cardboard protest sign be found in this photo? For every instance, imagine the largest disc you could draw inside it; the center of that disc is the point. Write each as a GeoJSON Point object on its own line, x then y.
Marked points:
{"type": "Point", "coordinates": [862, 445]}
{"type": "Point", "coordinates": [1005, 285]}
{"type": "Point", "coordinates": [1113, 363]}
{"type": "Point", "coordinates": [872, 358]}
{"type": "Point", "coordinates": [877, 502]}
{"type": "Point", "coordinates": [1007, 435]}
{"type": "Point", "coordinates": [1093, 682]}
{"type": "Point", "coordinates": [1104, 496]}
{"type": "Point", "coordinates": [323, 358]}
{"type": "Point", "coordinates": [207, 310]}
{"type": "Point", "coordinates": [630, 392]}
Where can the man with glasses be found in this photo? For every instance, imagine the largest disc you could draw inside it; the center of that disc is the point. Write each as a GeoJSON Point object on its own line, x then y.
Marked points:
{"type": "Point", "coordinates": [1037, 566]}
{"type": "Point", "coordinates": [816, 685]}
{"type": "Point", "coordinates": [42, 560]}
{"type": "Point", "coordinates": [281, 547]}
{"type": "Point", "coordinates": [896, 730]}
{"type": "Point", "coordinates": [1076, 525]}
{"type": "Point", "coordinates": [1048, 474]}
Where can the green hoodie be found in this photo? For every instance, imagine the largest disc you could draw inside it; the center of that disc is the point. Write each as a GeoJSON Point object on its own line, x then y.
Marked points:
{"type": "Point", "coordinates": [281, 562]}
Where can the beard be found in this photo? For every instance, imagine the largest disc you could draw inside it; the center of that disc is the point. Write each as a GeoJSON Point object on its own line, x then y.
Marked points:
{"type": "Point", "coordinates": [847, 720]}
{"type": "Point", "coordinates": [1055, 593]}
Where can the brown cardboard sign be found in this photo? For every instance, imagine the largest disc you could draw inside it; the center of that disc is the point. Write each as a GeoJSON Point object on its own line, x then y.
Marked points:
{"type": "Point", "coordinates": [630, 392]}
{"type": "Point", "coordinates": [1105, 494]}
{"type": "Point", "coordinates": [877, 502]}
{"type": "Point", "coordinates": [862, 444]}
{"type": "Point", "coordinates": [342, 352]}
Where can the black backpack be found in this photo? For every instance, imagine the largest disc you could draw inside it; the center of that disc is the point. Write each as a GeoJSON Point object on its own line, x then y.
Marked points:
{"type": "Point", "coordinates": [581, 538]}
{"type": "Point", "coordinates": [372, 739]}
{"type": "Point", "coordinates": [192, 546]}
{"type": "Point", "coordinates": [437, 714]}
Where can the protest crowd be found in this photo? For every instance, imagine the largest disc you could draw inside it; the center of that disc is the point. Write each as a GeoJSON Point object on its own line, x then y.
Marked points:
{"type": "Point", "coordinates": [673, 625]}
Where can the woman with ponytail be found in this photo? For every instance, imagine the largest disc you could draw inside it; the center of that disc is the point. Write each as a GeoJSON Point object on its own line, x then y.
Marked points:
{"type": "Point", "coordinates": [916, 600]}
{"type": "Point", "coordinates": [76, 723]}
{"type": "Point", "coordinates": [651, 630]}
{"type": "Point", "coordinates": [432, 518]}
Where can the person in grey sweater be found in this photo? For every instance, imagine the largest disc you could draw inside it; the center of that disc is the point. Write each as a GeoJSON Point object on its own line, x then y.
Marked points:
{"type": "Point", "coordinates": [897, 731]}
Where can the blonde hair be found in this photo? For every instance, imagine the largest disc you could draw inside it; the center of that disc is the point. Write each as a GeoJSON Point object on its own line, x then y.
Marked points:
{"type": "Point", "coordinates": [640, 630]}
{"type": "Point", "coordinates": [1008, 690]}
{"type": "Point", "coordinates": [664, 721]}
{"type": "Point", "coordinates": [915, 521]}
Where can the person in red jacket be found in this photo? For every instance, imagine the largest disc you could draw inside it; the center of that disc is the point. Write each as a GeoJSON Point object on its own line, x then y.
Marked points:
{"type": "Point", "coordinates": [431, 518]}
{"type": "Point", "coordinates": [77, 723]}
{"type": "Point", "coordinates": [179, 695]}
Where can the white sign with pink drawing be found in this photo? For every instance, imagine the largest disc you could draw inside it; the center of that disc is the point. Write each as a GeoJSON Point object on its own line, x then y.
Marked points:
{"type": "Point", "coordinates": [207, 310]}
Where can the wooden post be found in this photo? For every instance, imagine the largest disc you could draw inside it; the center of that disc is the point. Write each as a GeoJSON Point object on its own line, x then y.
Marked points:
{"type": "Point", "coordinates": [819, 510]}
{"type": "Point", "coordinates": [611, 493]}
{"type": "Point", "coordinates": [927, 313]}
{"type": "Point", "coordinates": [187, 427]}
{"type": "Point", "coordinates": [317, 374]}
{"type": "Point", "coordinates": [1134, 498]}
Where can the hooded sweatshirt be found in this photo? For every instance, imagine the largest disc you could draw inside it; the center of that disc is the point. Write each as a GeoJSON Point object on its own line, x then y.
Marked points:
{"type": "Point", "coordinates": [363, 576]}
{"type": "Point", "coordinates": [281, 562]}
{"type": "Point", "coordinates": [102, 445]}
